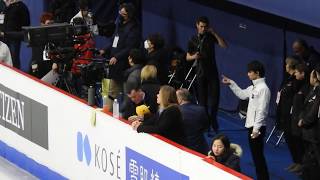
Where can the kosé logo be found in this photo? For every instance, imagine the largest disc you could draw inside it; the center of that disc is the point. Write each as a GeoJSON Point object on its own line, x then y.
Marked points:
{"type": "Point", "coordinates": [83, 148]}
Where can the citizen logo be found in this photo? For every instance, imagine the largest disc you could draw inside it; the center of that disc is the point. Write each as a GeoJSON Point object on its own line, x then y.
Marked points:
{"type": "Point", "coordinates": [12, 110]}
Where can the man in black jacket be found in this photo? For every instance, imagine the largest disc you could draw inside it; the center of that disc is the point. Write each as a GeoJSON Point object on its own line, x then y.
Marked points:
{"type": "Point", "coordinates": [126, 37]}
{"type": "Point", "coordinates": [194, 120]}
{"type": "Point", "coordinates": [139, 97]}
{"type": "Point", "coordinates": [201, 50]}
{"type": "Point", "coordinates": [16, 16]}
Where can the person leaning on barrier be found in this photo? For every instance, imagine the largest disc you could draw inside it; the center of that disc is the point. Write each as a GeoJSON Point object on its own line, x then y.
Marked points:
{"type": "Point", "coordinates": [256, 120]}
{"type": "Point", "coordinates": [224, 152]}
{"type": "Point", "coordinates": [168, 120]}
{"type": "Point", "coordinates": [309, 122]}
{"type": "Point", "coordinates": [195, 122]}
{"type": "Point", "coordinates": [136, 98]}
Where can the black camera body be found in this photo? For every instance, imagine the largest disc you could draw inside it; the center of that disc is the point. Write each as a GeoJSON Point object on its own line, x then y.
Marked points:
{"type": "Point", "coordinates": [61, 34]}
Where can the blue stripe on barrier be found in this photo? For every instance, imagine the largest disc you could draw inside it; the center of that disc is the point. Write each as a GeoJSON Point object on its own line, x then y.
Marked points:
{"type": "Point", "coordinates": [28, 164]}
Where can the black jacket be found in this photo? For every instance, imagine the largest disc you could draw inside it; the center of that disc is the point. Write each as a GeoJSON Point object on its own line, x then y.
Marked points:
{"type": "Point", "coordinates": [310, 116]}
{"type": "Point", "coordinates": [16, 16]}
{"type": "Point", "coordinates": [168, 124]}
{"type": "Point", "coordinates": [129, 108]}
{"type": "Point", "coordinates": [129, 37]}
{"type": "Point", "coordinates": [160, 59]}
{"type": "Point", "coordinates": [204, 44]}
{"type": "Point", "coordinates": [195, 122]}
{"type": "Point", "coordinates": [297, 106]}
{"type": "Point", "coordinates": [151, 87]}
{"type": "Point", "coordinates": [287, 91]}
{"type": "Point", "coordinates": [229, 159]}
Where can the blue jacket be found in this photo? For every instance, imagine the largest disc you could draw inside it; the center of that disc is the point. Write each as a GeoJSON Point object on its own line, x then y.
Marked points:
{"type": "Point", "coordinates": [195, 122]}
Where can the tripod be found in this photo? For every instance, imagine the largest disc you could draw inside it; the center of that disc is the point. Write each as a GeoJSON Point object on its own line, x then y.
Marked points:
{"type": "Point", "coordinates": [64, 82]}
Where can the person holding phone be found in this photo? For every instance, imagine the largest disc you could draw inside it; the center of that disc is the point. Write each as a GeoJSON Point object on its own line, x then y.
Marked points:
{"type": "Point", "coordinates": [201, 49]}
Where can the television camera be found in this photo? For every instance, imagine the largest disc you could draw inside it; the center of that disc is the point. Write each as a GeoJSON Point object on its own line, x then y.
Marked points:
{"type": "Point", "coordinates": [71, 46]}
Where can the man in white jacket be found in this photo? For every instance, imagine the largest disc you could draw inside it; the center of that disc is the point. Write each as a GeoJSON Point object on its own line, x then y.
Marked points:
{"type": "Point", "coordinates": [258, 107]}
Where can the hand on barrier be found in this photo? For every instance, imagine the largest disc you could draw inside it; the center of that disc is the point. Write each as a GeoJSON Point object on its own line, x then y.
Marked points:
{"type": "Point", "coordinates": [131, 119]}
{"type": "Point", "coordinates": [135, 125]}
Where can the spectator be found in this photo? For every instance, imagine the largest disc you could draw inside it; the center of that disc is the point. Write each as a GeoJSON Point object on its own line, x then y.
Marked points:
{"type": "Point", "coordinates": [195, 122]}
{"type": "Point", "coordinates": [5, 55]}
{"type": "Point", "coordinates": [157, 56]}
{"type": "Point", "coordinates": [149, 82]}
{"type": "Point", "coordinates": [125, 38]}
{"type": "Point", "coordinates": [168, 121]}
{"type": "Point", "coordinates": [16, 16]}
{"type": "Point", "coordinates": [225, 153]}
{"type": "Point", "coordinates": [307, 54]}
{"type": "Point", "coordinates": [132, 75]}
{"type": "Point", "coordinates": [256, 120]}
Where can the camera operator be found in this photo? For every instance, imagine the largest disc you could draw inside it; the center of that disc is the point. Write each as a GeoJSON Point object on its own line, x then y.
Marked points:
{"type": "Point", "coordinates": [39, 63]}
{"type": "Point", "coordinates": [126, 37]}
{"type": "Point", "coordinates": [201, 49]}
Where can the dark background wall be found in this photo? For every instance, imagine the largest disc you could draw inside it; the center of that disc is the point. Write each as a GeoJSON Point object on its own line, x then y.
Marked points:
{"type": "Point", "coordinates": [251, 34]}
{"type": "Point", "coordinates": [302, 11]}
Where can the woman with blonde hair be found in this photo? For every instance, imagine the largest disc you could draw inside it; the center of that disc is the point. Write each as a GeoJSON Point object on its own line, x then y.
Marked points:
{"type": "Point", "coordinates": [168, 121]}
{"type": "Point", "coordinates": [149, 83]}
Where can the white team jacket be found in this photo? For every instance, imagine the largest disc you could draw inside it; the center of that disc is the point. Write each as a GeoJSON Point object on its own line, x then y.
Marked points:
{"type": "Point", "coordinates": [259, 98]}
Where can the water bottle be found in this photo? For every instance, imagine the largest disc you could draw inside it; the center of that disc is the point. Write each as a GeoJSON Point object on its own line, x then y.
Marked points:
{"type": "Point", "coordinates": [116, 109]}
{"type": "Point", "coordinates": [104, 103]}
{"type": "Point", "coordinates": [91, 99]}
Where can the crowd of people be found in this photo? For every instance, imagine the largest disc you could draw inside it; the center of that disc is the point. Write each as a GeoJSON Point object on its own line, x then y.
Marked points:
{"type": "Point", "coordinates": [142, 72]}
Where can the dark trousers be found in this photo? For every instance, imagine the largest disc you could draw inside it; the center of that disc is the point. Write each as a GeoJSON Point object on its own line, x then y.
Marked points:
{"type": "Point", "coordinates": [256, 148]}
{"type": "Point", "coordinates": [311, 166]}
{"type": "Point", "coordinates": [293, 142]}
{"type": "Point", "coordinates": [208, 96]}
{"type": "Point", "coordinates": [294, 146]}
{"type": "Point", "coordinates": [14, 47]}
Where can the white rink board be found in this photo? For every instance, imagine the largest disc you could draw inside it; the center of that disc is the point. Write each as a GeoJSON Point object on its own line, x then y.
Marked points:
{"type": "Point", "coordinates": [110, 141]}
